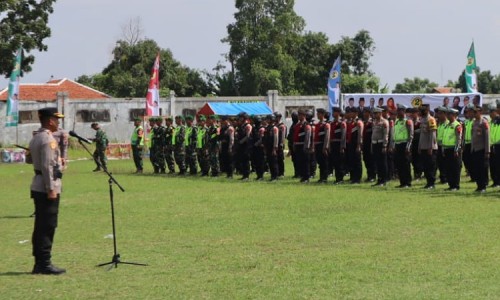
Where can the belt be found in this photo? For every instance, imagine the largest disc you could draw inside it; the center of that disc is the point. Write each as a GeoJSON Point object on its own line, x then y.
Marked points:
{"type": "Point", "coordinates": [38, 172]}
{"type": "Point", "coordinates": [298, 143]}
{"type": "Point", "coordinates": [399, 143]}
{"type": "Point", "coordinates": [378, 142]}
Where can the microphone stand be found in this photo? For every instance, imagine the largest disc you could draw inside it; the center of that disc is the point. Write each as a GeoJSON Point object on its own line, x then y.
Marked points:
{"type": "Point", "coordinates": [116, 257]}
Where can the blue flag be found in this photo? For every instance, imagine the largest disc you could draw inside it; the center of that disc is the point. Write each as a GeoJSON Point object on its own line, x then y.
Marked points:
{"type": "Point", "coordinates": [334, 85]}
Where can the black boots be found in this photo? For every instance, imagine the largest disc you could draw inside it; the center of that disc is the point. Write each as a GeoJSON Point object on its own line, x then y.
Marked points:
{"type": "Point", "coordinates": [47, 269]}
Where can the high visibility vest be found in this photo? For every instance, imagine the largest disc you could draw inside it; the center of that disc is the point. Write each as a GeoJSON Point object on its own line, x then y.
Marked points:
{"type": "Point", "coordinates": [468, 131]}
{"type": "Point", "coordinates": [440, 131]}
{"type": "Point", "coordinates": [135, 137]}
{"type": "Point", "coordinates": [177, 131]}
{"type": "Point", "coordinates": [200, 137]}
{"type": "Point", "coordinates": [494, 133]}
{"type": "Point", "coordinates": [150, 138]}
{"type": "Point", "coordinates": [400, 131]}
{"type": "Point", "coordinates": [187, 141]}
{"type": "Point", "coordinates": [449, 136]}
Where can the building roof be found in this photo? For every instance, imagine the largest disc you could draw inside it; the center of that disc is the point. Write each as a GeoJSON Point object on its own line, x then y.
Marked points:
{"type": "Point", "coordinates": [48, 91]}
{"type": "Point", "coordinates": [443, 90]}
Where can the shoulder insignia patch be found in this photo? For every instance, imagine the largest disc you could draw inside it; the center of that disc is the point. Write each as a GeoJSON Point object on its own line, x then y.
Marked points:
{"type": "Point", "coordinates": [53, 145]}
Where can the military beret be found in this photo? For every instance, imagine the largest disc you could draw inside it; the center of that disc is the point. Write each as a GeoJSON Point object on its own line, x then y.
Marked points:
{"type": "Point", "coordinates": [189, 117]}
{"type": "Point", "coordinates": [321, 110]}
{"type": "Point", "coordinates": [378, 109]}
{"type": "Point", "coordinates": [49, 112]}
{"type": "Point", "coordinates": [152, 119]}
{"type": "Point", "coordinates": [137, 119]}
{"type": "Point", "coordinates": [202, 118]}
{"type": "Point", "coordinates": [168, 119]}
{"type": "Point", "coordinates": [401, 107]}
{"type": "Point", "coordinates": [179, 117]}
{"type": "Point", "coordinates": [212, 117]}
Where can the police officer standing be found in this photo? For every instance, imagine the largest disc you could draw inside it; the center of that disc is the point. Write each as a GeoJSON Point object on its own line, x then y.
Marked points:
{"type": "Point", "coordinates": [271, 144]}
{"type": "Point", "coordinates": [159, 142]}
{"type": "Point", "coordinates": [137, 143]}
{"type": "Point", "coordinates": [227, 146]}
{"type": "Point", "coordinates": [281, 144]}
{"type": "Point", "coordinates": [244, 132]}
{"type": "Point", "coordinates": [213, 133]}
{"type": "Point", "coordinates": [338, 129]}
{"type": "Point", "coordinates": [480, 148]}
{"type": "Point", "coordinates": [495, 144]}
{"type": "Point", "coordinates": [302, 146]}
{"type": "Point", "coordinates": [45, 190]}
{"type": "Point", "coordinates": [380, 140]}
{"type": "Point", "coordinates": [401, 143]}
{"type": "Point", "coordinates": [201, 146]}
{"type": "Point", "coordinates": [101, 143]}
{"type": "Point", "coordinates": [427, 146]}
{"type": "Point", "coordinates": [452, 144]}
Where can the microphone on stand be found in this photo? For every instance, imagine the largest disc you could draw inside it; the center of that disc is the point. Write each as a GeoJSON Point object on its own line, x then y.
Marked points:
{"type": "Point", "coordinates": [81, 139]}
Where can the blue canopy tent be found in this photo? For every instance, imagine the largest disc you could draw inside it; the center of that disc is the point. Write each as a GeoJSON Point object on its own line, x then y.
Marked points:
{"type": "Point", "coordinates": [232, 109]}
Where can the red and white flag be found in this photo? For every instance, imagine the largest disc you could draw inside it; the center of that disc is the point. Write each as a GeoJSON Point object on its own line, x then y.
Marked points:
{"type": "Point", "coordinates": [153, 96]}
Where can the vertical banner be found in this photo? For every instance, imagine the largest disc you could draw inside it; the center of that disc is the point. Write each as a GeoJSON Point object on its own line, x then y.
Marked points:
{"type": "Point", "coordinates": [470, 70]}
{"type": "Point", "coordinates": [334, 85]}
{"type": "Point", "coordinates": [153, 95]}
{"type": "Point", "coordinates": [13, 96]}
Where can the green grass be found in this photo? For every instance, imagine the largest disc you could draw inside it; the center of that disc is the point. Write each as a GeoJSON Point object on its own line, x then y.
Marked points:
{"type": "Point", "coordinates": [206, 238]}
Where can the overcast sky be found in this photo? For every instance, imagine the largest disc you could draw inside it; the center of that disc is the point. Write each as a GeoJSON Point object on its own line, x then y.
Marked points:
{"type": "Point", "coordinates": [428, 39]}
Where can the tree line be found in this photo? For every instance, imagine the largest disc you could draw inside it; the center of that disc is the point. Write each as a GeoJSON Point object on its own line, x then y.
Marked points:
{"type": "Point", "coordinates": [269, 49]}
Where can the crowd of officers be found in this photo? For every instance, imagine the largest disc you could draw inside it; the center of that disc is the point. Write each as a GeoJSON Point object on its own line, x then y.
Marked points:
{"type": "Point", "coordinates": [390, 143]}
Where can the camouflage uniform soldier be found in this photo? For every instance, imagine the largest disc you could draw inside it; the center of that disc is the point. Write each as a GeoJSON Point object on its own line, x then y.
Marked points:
{"type": "Point", "coordinates": [178, 140]}
{"type": "Point", "coordinates": [150, 142]}
{"type": "Point", "coordinates": [169, 148]}
{"type": "Point", "coordinates": [159, 143]}
{"type": "Point", "coordinates": [202, 146]}
{"type": "Point", "coordinates": [190, 142]}
{"type": "Point", "coordinates": [101, 143]}
{"type": "Point", "coordinates": [213, 132]}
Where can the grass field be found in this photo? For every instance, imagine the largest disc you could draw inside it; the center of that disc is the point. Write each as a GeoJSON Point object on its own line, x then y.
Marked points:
{"type": "Point", "coordinates": [207, 238]}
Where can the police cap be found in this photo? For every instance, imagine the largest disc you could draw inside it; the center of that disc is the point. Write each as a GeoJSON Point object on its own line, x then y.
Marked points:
{"type": "Point", "coordinates": [49, 112]}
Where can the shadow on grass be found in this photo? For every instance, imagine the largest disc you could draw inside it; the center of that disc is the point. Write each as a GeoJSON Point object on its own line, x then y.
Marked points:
{"type": "Point", "coordinates": [16, 217]}
{"type": "Point", "coordinates": [14, 273]}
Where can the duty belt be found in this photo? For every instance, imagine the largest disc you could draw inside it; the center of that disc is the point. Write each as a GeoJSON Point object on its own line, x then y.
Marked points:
{"type": "Point", "coordinates": [377, 142]}
{"type": "Point", "coordinates": [38, 172]}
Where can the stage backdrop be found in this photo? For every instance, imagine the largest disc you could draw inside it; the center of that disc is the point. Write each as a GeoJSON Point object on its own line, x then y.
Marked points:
{"type": "Point", "coordinates": [413, 100]}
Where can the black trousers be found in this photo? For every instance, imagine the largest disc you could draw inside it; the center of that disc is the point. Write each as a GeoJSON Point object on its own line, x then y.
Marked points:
{"type": "Point", "coordinates": [281, 161]}
{"type": "Point", "coordinates": [402, 162]}
{"type": "Point", "coordinates": [480, 169]}
{"type": "Point", "coordinates": [226, 160]}
{"type": "Point", "coordinates": [259, 161]}
{"type": "Point", "coordinates": [303, 162]}
{"type": "Point", "coordinates": [272, 162]}
{"type": "Point", "coordinates": [453, 167]}
{"type": "Point", "coordinates": [429, 166]}
{"type": "Point", "coordinates": [495, 164]}
{"type": "Point", "coordinates": [441, 164]}
{"type": "Point", "coordinates": [322, 160]}
{"type": "Point", "coordinates": [381, 161]}
{"type": "Point", "coordinates": [353, 158]}
{"type": "Point", "coordinates": [369, 162]}
{"type": "Point", "coordinates": [243, 158]}
{"type": "Point", "coordinates": [337, 161]}
{"type": "Point", "coordinates": [46, 212]}
{"type": "Point", "coordinates": [416, 160]}
{"type": "Point", "coordinates": [466, 157]}
{"type": "Point", "coordinates": [137, 154]}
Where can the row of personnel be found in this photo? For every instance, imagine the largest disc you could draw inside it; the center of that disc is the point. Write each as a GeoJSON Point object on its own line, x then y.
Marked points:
{"type": "Point", "coordinates": [389, 143]}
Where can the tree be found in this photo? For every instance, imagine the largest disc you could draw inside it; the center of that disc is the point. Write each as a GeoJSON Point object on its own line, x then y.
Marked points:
{"type": "Point", "coordinates": [486, 82]}
{"type": "Point", "coordinates": [263, 41]}
{"type": "Point", "coordinates": [356, 53]}
{"type": "Point", "coordinates": [129, 72]}
{"type": "Point", "coordinates": [24, 24]}
{"type": "Point", "coordinates": [415, 85]}
{"type": "Point", "coordinates": [132, 31]}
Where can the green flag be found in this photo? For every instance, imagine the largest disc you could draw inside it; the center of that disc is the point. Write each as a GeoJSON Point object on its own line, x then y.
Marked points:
{"type": "Point", "coordinates": [12, 100]}
{"type": "Point", "coordinates": [470, 71]}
